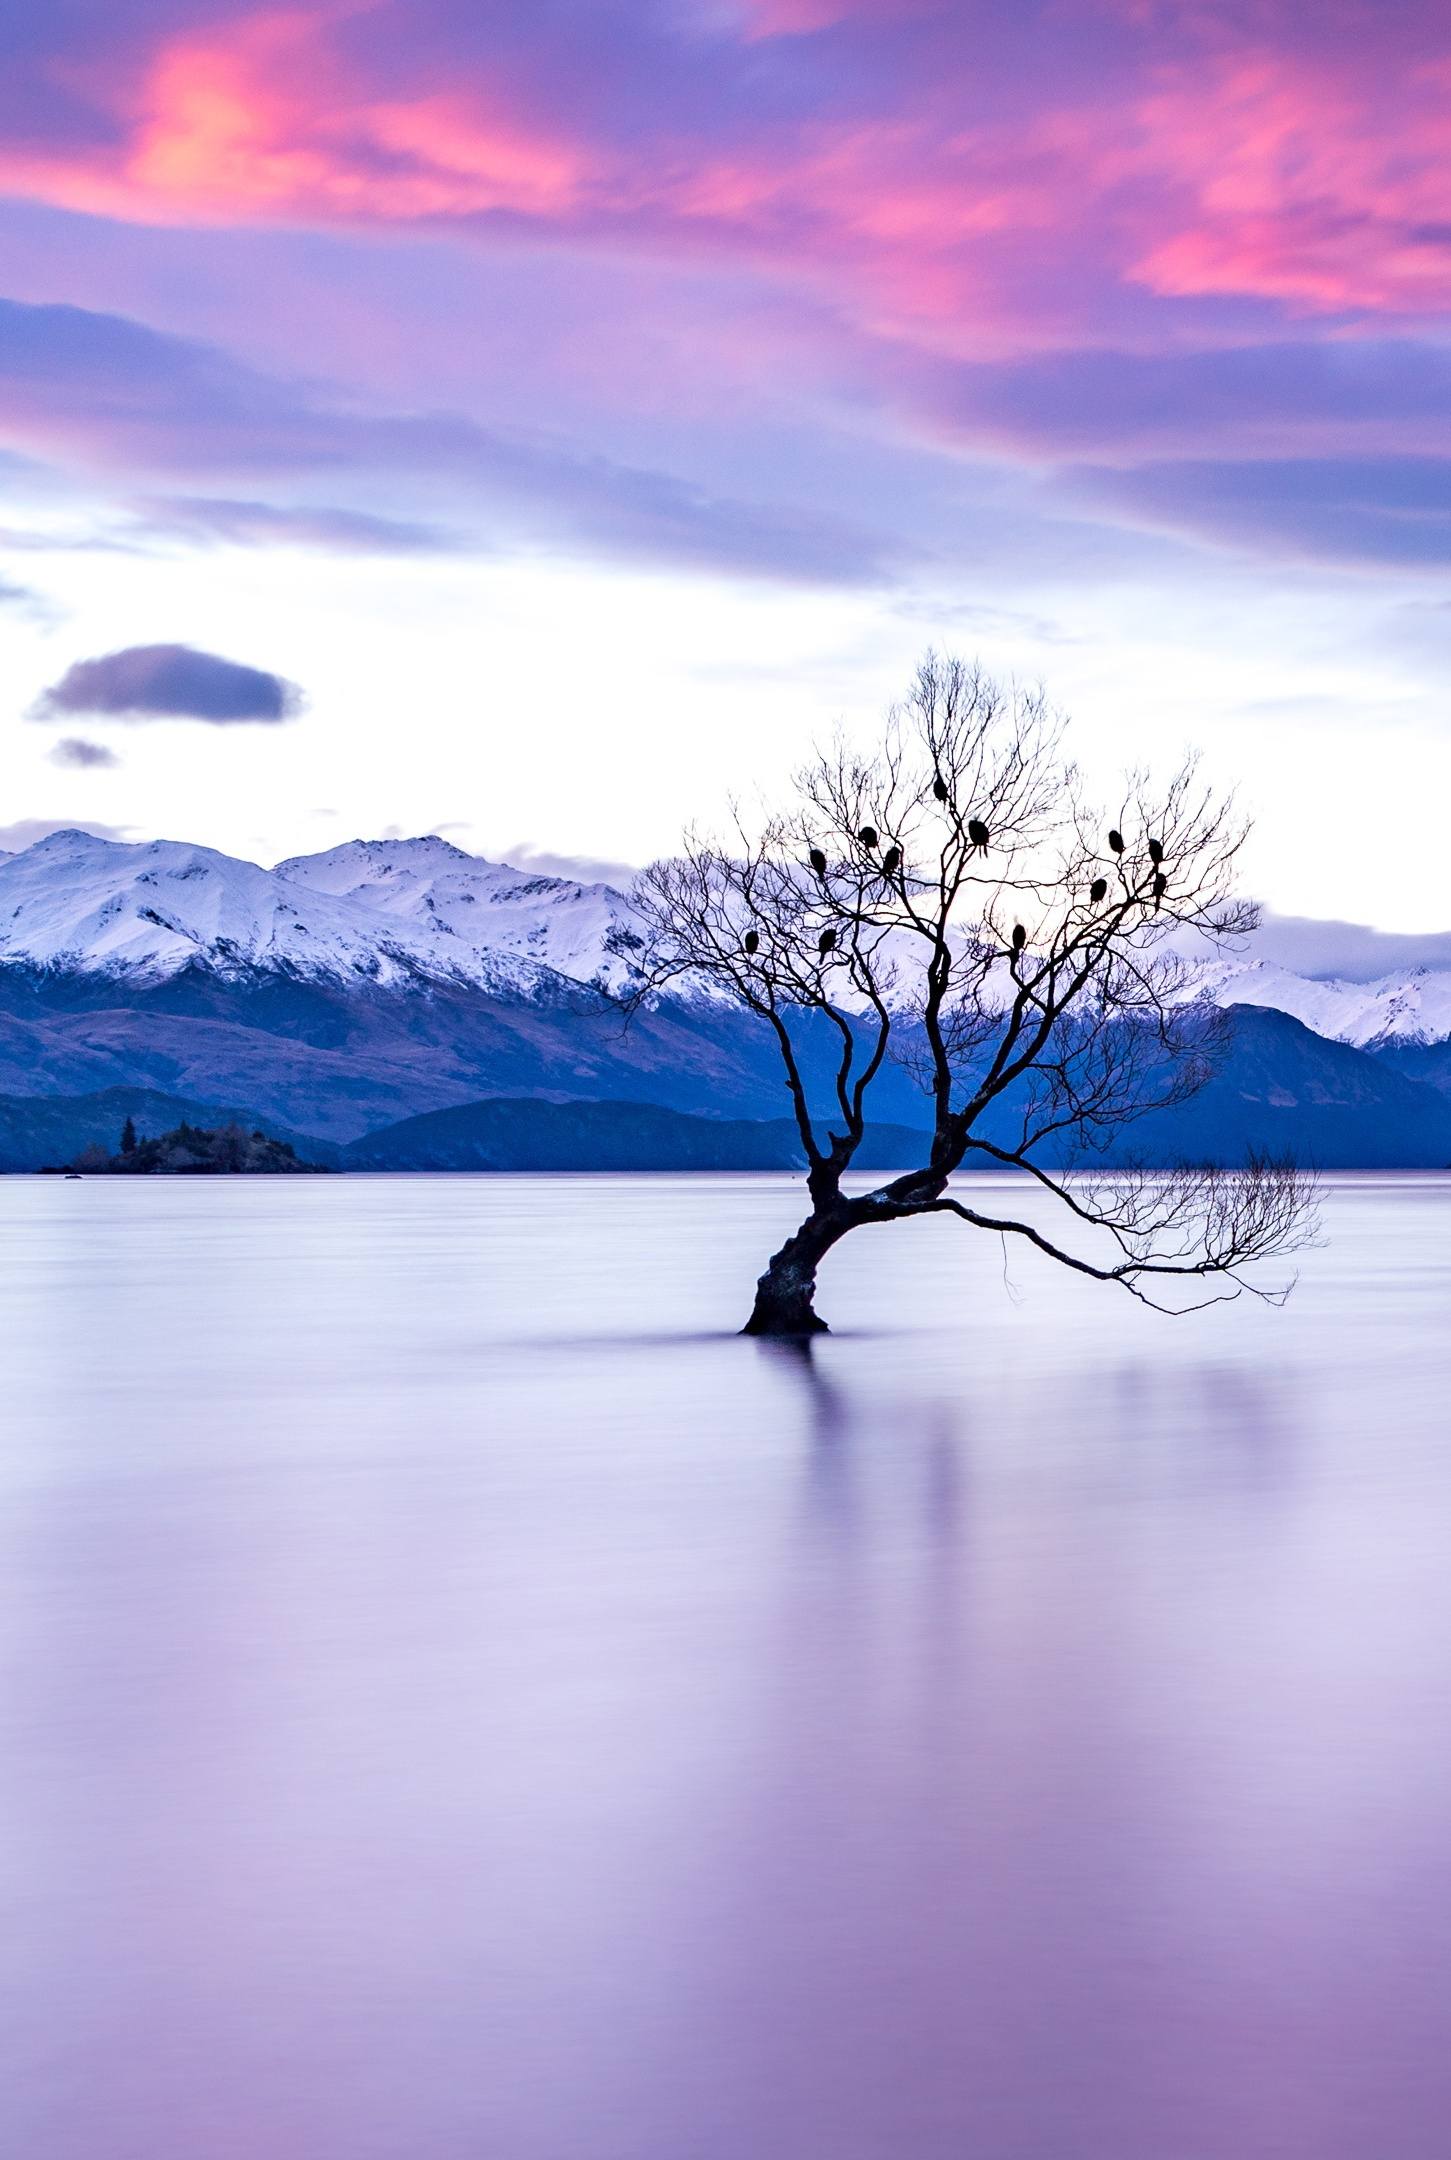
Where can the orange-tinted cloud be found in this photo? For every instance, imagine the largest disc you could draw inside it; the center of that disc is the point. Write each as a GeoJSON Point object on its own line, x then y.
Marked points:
{"type": "Point", "coordinates": [970, 212]}
{"type": "Point", "coordinates": [270, 125]}
{"type": "Point", "coordinates": [960, 233]}
{"type": "Point", "coordinates": [262, 124]}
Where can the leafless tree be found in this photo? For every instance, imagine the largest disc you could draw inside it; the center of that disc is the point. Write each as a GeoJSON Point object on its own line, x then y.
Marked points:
{"type": "Point", "coordinates": [954, 901]}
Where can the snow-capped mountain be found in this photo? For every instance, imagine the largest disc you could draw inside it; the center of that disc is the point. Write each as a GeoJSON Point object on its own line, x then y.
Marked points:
{"type": "Point", "coordinates": [468, 911]}
{"type": "Point", "coordinates": [372, 912]}
{"type": "Point", "coordinates": [396, 912]}
{"type": "Point", "coordinates": [1410, 1007]}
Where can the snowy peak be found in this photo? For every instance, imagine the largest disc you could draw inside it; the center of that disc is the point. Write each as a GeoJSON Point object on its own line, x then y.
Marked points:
{"type": "Point", "coordinates": [74, 903]}
{"type": "Point", "coordinates": [1411, 1007]}
{"type": "Point", "coordinates": [357, 862]}
{"type": "Point", "coordinates": [467, 907]}
{"type": "Point", "coordinates": [395, 912]}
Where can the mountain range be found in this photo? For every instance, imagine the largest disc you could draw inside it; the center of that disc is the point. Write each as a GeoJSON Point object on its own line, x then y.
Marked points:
{"type": "Point", "coordinates": [342, 1000]}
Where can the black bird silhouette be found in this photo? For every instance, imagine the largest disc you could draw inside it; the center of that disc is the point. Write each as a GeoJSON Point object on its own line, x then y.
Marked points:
{"type": "Point", "coordinates": [1020, 937]}
{"type": "Point", "coordinates": [1156, 851]}
{"type": "Point", "coordinates": [977, 832]}
{"type": "Point", "coordinates": [825, 942]}
{"type": "Point", "coordinates": [1161, 886]}
{"type": "Point", "coordinates": [939, 788]}
{"type": "Point", "coordinates": [868, 836]}
{"type": "Point", "coordinates": [891, 862]}
{"type": "Point", "coordinates": [1116, 841]}
{"type": "Point", "coordinates": [1097, 891]}
{"type": "Point", "coordinates": [752, 940]}
{"type": "Point", "coordinates": [818, 862]}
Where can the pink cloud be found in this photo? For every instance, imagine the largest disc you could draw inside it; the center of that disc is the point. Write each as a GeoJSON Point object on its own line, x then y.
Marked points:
{"type": "Point", "coordinates": [969, 216]}
{"type": "Point", "coordinates": [1304, 186]}
{"type": "Point", "coordinates": [891, 216]}
{"type": "Point", "coordinates": [979, 237]}
{"type": "Point", "coordinates": [795, 18]}
{"type": "Point", "coordinates": [262, 124]}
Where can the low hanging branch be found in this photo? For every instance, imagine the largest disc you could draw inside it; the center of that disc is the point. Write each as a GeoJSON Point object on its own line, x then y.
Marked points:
{"type": "Point", "coordinates": [953, 902]}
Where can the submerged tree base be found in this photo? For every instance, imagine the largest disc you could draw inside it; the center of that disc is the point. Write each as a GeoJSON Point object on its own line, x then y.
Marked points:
{"type": "Point", "coordinates": [785, 1293]}
{"type": "Point", "coordinates": [791, 1322]}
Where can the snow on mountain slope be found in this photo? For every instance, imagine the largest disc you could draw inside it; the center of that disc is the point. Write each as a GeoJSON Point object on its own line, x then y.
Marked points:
{"type": "Point", "coordinates": [467, 907]}
{"type": "Point", "coordinates": [76, 903]}
{"type": "Point", "coordinates": [1412, 1007]}
{"type": "Point", "coordinates": [399, 911]}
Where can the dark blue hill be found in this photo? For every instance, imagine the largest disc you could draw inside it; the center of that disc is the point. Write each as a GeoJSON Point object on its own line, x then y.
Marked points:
{"type": "Point", "coordinates": [461, 1080]}
{"type": "Point", "coordinates": [36, 1130]}
{"type": "Point", "coordinates": [1284, 1090]}
{"type": "Point", "coordinates": [341, 1061]}
{"type": "Point", "coordinates": [507, 1133]}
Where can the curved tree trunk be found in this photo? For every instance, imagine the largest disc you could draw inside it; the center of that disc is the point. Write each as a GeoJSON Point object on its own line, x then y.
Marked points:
{"type": "Point", "coordinates": [786, 1292]}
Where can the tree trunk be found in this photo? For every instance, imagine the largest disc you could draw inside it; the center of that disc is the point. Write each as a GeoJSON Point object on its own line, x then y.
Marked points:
{"type": "Point", "coordinates": [785, 1293]}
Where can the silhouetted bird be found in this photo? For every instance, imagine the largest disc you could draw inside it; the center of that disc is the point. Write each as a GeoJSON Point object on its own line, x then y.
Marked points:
{"type": "Point", "coordinates": [1098, 890]}
{"type": "Point", "coordinates": [868, 836]}
{"type": "Point", "coordinates": [1161, 886]}
{"type": "Point", "coordinates": [1156, 851]}
{"type": "Point", "coordinates": [892, 862]}
{"type": "Point", "coordinates": [1116, 842]}
{"type": "Point", "coordinates": [752, 940]}
{"type": "Point", "coordinates": [977, 832]}
{"type": "Point", "coordinates": [825, 942]}
{"type": "Point", "coordinates": [1020, 937]}
{"type": "Point", "coordinates": [818, 862]}
{"type": "Point", "coordinates": [939, 788]}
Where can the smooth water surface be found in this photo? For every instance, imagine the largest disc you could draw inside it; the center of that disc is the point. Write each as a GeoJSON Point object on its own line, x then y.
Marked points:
{"type": "Point", "coordinates": [459, 1702]}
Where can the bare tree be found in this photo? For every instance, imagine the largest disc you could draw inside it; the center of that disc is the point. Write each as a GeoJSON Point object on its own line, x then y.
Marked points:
{"type": "Point", "coordinates": [953, 901]}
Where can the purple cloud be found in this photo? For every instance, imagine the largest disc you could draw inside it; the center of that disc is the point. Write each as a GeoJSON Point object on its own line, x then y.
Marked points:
{"type": "Point", "coordinates": [116, 394]}
{"type": "Point", "coordinates": [1276, 394]}
{"type": "Point", "coordinates": [1348, 952]}
{"type": "Point", "coordinates": [1385, 511]}
{"type": "Point", "coordinates": [82, 756]}
{"type": "Point", "coordinates": [1137, 237]}
{"type": "Point", "coordinates": [206, 519]}
{"type": "Point", "coordinates": [170, 682]}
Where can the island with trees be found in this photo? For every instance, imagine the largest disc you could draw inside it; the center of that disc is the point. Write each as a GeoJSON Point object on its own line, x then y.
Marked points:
{"type": "Point", "coordinates": [189, 1151]}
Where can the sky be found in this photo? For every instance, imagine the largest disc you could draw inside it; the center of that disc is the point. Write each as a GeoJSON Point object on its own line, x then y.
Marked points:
{"type": "Point", "coordinates": [537, 420]}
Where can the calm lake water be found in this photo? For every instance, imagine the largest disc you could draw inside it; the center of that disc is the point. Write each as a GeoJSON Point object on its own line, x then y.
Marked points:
{"type": "Point", "coordinates": [457, 1702]}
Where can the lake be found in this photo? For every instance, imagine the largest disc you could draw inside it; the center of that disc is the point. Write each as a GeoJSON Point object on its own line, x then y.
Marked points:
{"type": "Point", "coordinates": [460, 1702]}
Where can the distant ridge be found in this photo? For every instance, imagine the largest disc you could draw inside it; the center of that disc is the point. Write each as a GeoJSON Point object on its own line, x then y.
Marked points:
{"type": "Point", "coordinates": [382, 982]}
{"type": "Point", "coordinates": [1281, 1089]}
{"type": "Point", "coordinates": [511, 1134]}
{"type": "Point", "coordinates": [424, 913]}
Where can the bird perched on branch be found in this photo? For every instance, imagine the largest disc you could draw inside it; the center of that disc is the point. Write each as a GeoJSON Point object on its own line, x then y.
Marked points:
{"type": "Point", "coordinates": [1161, 886]}
{"type": "Point", "coordinates": [891, 862]}
{"type": "Point", "coordinates": [977, 832]}
{"type": "Point", "coordinates": [1116, 841]}
{"type": "Point", "coordinates": [868, 836]}
{"type": "Point", "coordinates": [939, 788]}
{"type": "Point", "coordinates": [1156, 851]}
{"type": "Point", "coordinates": [818, 862]}
{"type": "Point", "coordinates": [1097, 891]}
{"type": "Point", "coordinates": [752, 941]}
{"type": "Point", "coordinates": [825, 942]}
{"type": "Point", "coordinates": [1020, 937]}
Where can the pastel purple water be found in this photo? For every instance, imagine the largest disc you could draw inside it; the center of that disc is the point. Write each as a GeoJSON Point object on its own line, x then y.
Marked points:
{"type": "Point", "coordinates": [459, 1703]}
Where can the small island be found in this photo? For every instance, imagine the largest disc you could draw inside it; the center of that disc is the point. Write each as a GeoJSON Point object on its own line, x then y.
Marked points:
{"type": "Point", "coordinates": [189, 1151]}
